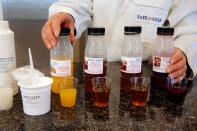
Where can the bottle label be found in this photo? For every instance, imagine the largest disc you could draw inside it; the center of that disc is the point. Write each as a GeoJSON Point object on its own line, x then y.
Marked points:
{"type": "Point", "coordinates": [60, 68]}
{"type": "Point", "coordinates": [160, 64]}
{"type": "Point", "coordinates": [7, 64]}
{"type": "Point", "coordinates": [131, 64]}
{"type": "Point", "coordinates": [93, 65]}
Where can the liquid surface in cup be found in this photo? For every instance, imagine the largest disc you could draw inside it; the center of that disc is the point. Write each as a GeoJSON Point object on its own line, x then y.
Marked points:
{"type": "Point", "coordinates": [176, 94]}
{"type": "Point", "coordinates": [139, 96]}
{"type": "Point", "coordinates": [101, 96]}
{"type": "Point", "coordinates": [88, 77]}
{"type": "Point", "coordinates": [55, 87]}
{"type": "Point", "coordinates": [68, 97]}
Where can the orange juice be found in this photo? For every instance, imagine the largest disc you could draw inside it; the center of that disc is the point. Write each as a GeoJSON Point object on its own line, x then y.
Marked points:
{"type": "Point", "coordinates": [68, 97]}
{"type": "Point", "coordinates": [60, 68]}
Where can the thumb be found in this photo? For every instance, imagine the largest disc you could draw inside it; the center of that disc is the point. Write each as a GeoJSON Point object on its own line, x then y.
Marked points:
{"type": "Point", "coordinates": [176, 57]}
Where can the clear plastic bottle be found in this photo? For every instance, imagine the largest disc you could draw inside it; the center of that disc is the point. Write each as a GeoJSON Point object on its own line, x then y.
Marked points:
{"type": "Point", "coordinates": [163, 50]}
{"type": "Point", "coordinates": [162, 53]}
{"type": "Point", "coordinates": [131, 52]}
{"type": "Point", "coordinates": [95, 56]}
{"type": "Point", "coordinates": [61, 59]}
{"type": "Point", "coordinates": [131, 56]}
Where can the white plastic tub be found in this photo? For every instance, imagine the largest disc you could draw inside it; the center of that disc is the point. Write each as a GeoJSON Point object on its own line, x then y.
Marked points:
{"type": "Point", "coordinates": [36, 98]}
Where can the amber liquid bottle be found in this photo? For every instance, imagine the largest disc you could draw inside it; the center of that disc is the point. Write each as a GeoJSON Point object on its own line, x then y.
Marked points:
{"type": "Point", "coordinates": [162, 52]}
{"type": "Point", "coordinates": [131, 56]}
{"type": "Point", "coordinates": [95, 56]}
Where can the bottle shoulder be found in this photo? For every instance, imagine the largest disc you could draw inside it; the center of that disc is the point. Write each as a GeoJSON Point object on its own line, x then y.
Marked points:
{"type": "Point", "coordinates": [6, 33]}
{"type": "Point", "coordinates": [163, 46]}
{"type": "Point", "coordinates": [63, 49]}
{"type": "Point", "coordinates": [132, 47]}
{"type": "Point", "coordinates": [95, 48]}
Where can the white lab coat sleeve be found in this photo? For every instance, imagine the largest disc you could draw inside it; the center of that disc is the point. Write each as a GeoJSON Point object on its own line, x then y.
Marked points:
{"type": "Point", "coordinates": [183, 17]}
{"type": "Point", "coordinates": [79, 9]}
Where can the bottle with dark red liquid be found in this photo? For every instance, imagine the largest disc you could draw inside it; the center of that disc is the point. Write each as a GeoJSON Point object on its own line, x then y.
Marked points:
{"type": "Point", "coordinates": [95, 56]}
{"type": "Point", "coordinates": [162, 53]}
{"type": "Point", "coordinates": [131, 56]}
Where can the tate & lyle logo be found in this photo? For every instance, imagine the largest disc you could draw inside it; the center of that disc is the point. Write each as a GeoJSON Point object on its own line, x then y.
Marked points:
{"type": "Point", "coordinates": [149, 18]}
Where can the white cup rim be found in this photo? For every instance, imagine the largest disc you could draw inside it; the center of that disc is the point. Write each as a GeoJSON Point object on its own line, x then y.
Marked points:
{"type": "Point", "coordinates": [50, 81]}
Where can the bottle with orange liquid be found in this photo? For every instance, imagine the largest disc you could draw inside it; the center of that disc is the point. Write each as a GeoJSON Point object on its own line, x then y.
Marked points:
{"type": "Point", "coordinates": [131, 56]}
{"type": "Point", "coordinates": [61, 59]}
{"type": "Point", "coordinates": [162, 53]}
{"type": "Point", "coordinates": [95, 56]}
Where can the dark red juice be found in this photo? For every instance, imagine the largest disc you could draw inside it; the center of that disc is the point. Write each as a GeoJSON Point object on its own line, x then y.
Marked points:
{"type": "Point", "coordinates": [159, 80]}
{"type": "Point", "coordinates": [176, 94]}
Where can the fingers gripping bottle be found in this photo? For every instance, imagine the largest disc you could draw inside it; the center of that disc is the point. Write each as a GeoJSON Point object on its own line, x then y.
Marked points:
{"type": "Point", "coordinates": [162, 53]}
{"type": "Point", "coordinates": [131, 56]}
{"type": "Point", "coordinates": [95, 56]}
{"type": "Point", "coordinates": [61, 59]}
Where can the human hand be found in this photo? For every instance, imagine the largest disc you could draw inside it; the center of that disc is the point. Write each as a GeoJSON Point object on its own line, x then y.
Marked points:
{"type": "Point", "coordinates": [178, 67]}
{"type": "Point", "coordinates": [52, 28]}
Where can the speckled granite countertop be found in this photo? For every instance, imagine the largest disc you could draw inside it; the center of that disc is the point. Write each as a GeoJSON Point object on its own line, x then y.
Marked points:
{"type": "Point", "coordinates": [158, 115]}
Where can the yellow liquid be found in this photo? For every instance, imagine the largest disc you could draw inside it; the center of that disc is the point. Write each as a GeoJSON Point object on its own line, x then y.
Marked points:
{"type": "Point", "coordinates": [55, 86]}
{"type": "Point", "coordinates": [68, 97]}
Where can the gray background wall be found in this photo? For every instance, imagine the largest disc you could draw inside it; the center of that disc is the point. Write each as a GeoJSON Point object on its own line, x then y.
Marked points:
{"type": "Point", "coordinates": [26, 9]}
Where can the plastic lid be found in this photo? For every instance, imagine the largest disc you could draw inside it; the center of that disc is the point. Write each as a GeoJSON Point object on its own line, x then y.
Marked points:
{"type": "Point", "coordinates": [66, 31]}
{"type": "Point", "coordinates": [132, 30]}
{"type": "Point", "coordinates": [96, 31]}
{"type": "Point", "coordinates": [4, 24]}
{"type": "Point", "coordinates": [165, 31]}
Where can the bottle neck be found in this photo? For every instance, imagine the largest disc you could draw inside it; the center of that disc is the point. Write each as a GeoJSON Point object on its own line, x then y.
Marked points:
{"type": "Point", "coordinates": [132, 40]}
{"type": "Point", "coordinates": [132, 37]}
{"type": "Point", "coordinates": [164, 46]}
{"type": "Point", "coordinates": [63, 38]}
{"type": "Point", "coordinates": [95, 42]}
{"type": "Point", "coordinates": [63, 49]}
{"type": "Point", "coordinates": [166, 40]}
{"type": "Point", "coordinates": [132, 46]}
{"type": "Point", "coordinates": [165, 36]}
{"type": "Point", "coordinates": [96, 38]}
{"type": "Point", "coordinates": [95, 46]}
